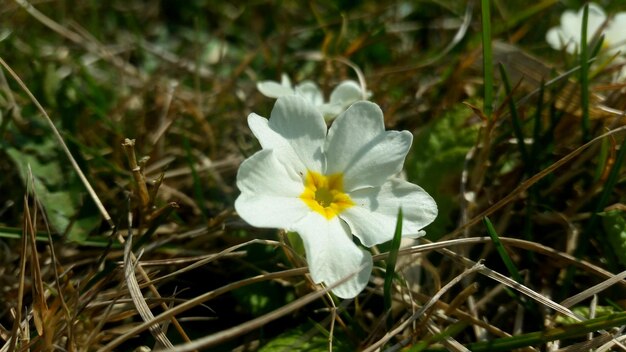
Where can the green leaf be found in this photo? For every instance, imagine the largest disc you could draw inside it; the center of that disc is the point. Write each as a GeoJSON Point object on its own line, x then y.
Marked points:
{"type": "Point", "coordinates": [296, 242]}
{"type": "Point", "coordinates": [541, 337]}
{"type": "Point", "coordinates": [59, 192]}
{"type": "Point", "coordinates": [508, 262]}
{"type": "Point", "coordinates": [583, 311]}
{"type": "Point", "coordinates": [436, 162]}
{"type": "Point", "coordinates": [306, 338]}
{"type": "Point", "coordinates": [614, 223]}
{"type": "Point", "coordinates": [584, 75]}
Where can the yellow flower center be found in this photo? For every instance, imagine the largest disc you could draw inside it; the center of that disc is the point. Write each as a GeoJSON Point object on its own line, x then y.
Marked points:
{"type": "Point", "coordinates": [324, 194]}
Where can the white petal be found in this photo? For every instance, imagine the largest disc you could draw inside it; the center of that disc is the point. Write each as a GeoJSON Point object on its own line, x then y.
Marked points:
{"type": "Point", "coordinates": [373, 218]}
{"type": "Point", "coordinates": [556, 38]}
{"type": "Point", "coordinates": [270, 188]}
{"type": "Point", "coordinates": [615, 34]}
{"type": "Point", "coordinates": [267, 137]}
{"type": "Point", "coordinates": [359, 146]}
{"type": "Point", "coordinates": [596, 19]}
{"type": "Point", "coordinates": [332, 256]}
{"type": "Point", "coordinates": [273, 89]}
{"type": "Point", "coordinates": [330, 111]}
{"type": "Point", "coordinates": [311, 92]}
{"type": "Point", "coordinates": [571, 23]}
{"type": "Point", "coordinates": [285, 81]}
{"type": "Point", "coordinates": [299, 122]}
{"type": "Point", "coordinates": [346, 93]}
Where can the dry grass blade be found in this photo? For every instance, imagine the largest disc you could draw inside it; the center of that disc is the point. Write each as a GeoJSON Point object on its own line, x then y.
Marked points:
{"type": "Point", "coordinates": [609, 345]}
{"type": "Point", "coordinates": [530, 293]}
{"type": "Point", "coordinates": [522, 289]}
{"type": "Point", "coordinates": [140, 180]}
{"type": "Point", "coordinates": [587, 345]}
{"type": "Point", "coordinates": [227, 334]}
{"type": "Point", "coordinates": [514, 242]}
{"type": "Point", "coordinates": [594, 290]}
{"type": "Point", "coordinates": [512, 284]}
{"type": "Point", "coordinates": [137, 296]}
{"type": "Point", "coordinates": [388, 336]}
{"type": "Point", "coordinates": [529, 182]}
{"type": "Point", "coordinates": [79, 172]}
{"type": "Point", "coordinates": [57, 281]}
{"type": "Point", "coordinates": [20, 292]}
{"type": "Point", "coordinates": [461, 315]}
{"type": "Point", "coordinates": [450, 343]}
{"type": "Point", "coordinates": [76, 38]}
{"type": "Point", "coordinates": [40, 307]}
{"type": "Point", "coordinates": [91, 338]}
{"type": "Point", "coordinates": [210, 258]}
{"type": "Point", "coordinates": [199, 300]}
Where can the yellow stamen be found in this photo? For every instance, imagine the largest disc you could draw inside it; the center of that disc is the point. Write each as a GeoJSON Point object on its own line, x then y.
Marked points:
{"type": "Point", "coordinates": [324, 194]}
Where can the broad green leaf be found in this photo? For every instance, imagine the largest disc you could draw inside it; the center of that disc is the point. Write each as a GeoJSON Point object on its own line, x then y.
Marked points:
{"type": "Point", "coordinates": [436, 162]}
{"type": "Point", "coordinates": [614, 223]}
{"type": "Point", "coordinates": [58, 191]}
{"type": "Point", "coordinates": [307, 338]}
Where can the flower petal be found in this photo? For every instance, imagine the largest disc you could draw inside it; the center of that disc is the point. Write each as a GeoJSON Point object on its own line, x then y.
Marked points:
{"type": "Point", "coordinates": [373, 218]}
{"type": "Point", "coordinates": [270, 188]}
{"type": "Point", "coordinates": [595, 21]}
{"type": "Point", "coordinates": [359, 146]}
{"type": "Point", "coordinates": [332, 256]}
{"type": "Point", "coordinates": [330, 111]}
{"type": "Point", "coordinates": [273, 89]}
{"type": "Point", "coordinates": [568, 35]}
{"type": "Point", "coordinates": [615, 35]}
{"type": "Point", "coordinates": [299, 122]}
{"type": "Point", "coordinates": [346, 93]}
{"type": "Point", "coordinates": [311, 92]}
{"type": "Point", "coordinates": [556, 38]}
{"type": "Point", "coordinates": [285, 81]}
{"type": "Point", "coordinates": [268, 138]}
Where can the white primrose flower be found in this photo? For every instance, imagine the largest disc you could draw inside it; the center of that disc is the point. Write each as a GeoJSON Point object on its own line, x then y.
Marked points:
{"type": "Point", "coordinates": [346, 93]}
{"type": "Point", "coordinates": [568, 34]}
{"type": "Point", "coordinates": [330, 184]}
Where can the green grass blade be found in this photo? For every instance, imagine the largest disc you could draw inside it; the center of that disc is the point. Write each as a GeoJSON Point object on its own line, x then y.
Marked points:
{"type": "Point", "coordinates": [584, 75]}
{"type": "Point", "coordinates": [197, 186]}
{"type": "Point", "coordinates": [509, 265]}
{"type": "Point", "coordinates": [541, 337]}
{"type": "Point", "coordinates": [517, 127]}
{"type": "Point", "coordinates": [531, 10]}
{"type": "Point", "coordinates": [609, 185]}
{"type": "Point", "coordinates": [597, 46]}
{"type": "Point", "coordinates": [42, 236]}
{"type": "Point", "coordinates": [502, 251]}
{"type": "Point", "coordinates": [390, 270]}
{"type": "Point", "coordinates": [450, 331]}
{"type": "Point", "coordinates": [592, 225]}
{"type": "Point", "coordinates": [487, 58]}
{"type": "Point", "coordinates": [537, 129]}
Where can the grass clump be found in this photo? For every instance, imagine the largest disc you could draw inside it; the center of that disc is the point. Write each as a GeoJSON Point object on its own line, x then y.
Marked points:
{"type": "Point", "coordinates": [151, 99]}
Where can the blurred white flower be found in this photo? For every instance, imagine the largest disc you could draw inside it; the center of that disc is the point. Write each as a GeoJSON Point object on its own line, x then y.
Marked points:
{"type": "Point", "coordinates": [330, 184]}
{"type": "Point", "coordinates": [568, 34]}
{"type": "Point", "coordinates": [346, 93]}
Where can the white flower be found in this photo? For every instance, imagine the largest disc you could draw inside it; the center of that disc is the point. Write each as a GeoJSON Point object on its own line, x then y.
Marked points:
{"type": "Point", "coordinates": [330, 184]}
{"type": "Point", "coordinates": [346, 93]}
{"type": "Point", "coordinates": [568, 34]}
